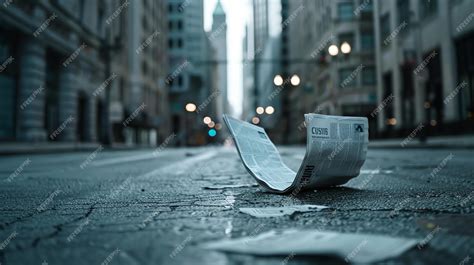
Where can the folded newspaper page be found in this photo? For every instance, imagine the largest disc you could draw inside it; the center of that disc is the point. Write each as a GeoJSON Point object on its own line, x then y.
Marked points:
{"type": "Point", "coordinates": [336, 148]}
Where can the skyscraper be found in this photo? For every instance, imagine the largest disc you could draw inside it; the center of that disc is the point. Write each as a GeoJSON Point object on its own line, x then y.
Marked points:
{"type": "Point", "coordinates": [141, 66]}
{"type": "Point", "coordinates": [188, 74]}
{"type": "Point", "coordinates": [218, 38]}
{"type": "Point", "coordinates": [425, 66]}
{"type": "Point", "coordinates": [334, 58]}
{"type": "Point", "coordinates": [80, 67]}
{"type": "Point", "coordinates": [260, 21]}
{"type": "Point", "coordinates": [248, 104]}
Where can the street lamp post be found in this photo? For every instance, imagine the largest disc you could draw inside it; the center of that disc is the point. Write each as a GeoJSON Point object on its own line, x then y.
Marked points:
{"type": "Point", "coordinates": [107, 48]}
{"type": "Point", "coordinates": [345, 48]}
{"type": "Point", "coordinates": [190, 108]}
{"type": "Point", "coordinates": [278, 81]}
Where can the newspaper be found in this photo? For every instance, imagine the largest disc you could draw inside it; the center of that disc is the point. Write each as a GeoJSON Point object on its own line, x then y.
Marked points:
{"type": "Point", "coordinates": [336, 148]}
{"type": "Point", "coordinates": [352, 248]}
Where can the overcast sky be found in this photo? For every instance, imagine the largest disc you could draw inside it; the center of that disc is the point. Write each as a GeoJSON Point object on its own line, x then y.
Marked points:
{"type": "Point", "coordinates": [235, 33]}
{"type": "Point", "coordinates": [236, 20]}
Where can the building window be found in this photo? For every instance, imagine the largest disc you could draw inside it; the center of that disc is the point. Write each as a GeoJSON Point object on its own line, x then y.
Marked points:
{"type": "Point", "coordinates": [8, 85]}
{"type": "Point", "coordinates": [388, 93]}
{"type": "Point", "coordinates": [368, 76]}
{"type": "Point", "coordinates": [345, 11]}
{"type": "Point", "coordinates": [346, 78]}
{"type": "Point", "coordinates": [144, 68]}
{"type": "Point", "coordinates": [428, 7]}
{"type": "Point", "coordinates": [122, 89]}
{"type": "Point", "coordinates": [145, 23]}
{"type": "Point", "coordinates": [347, 37]}
{"type": "Point", "coordinates": [180, 43]}
{"type": "Point", "coordinates": [170, 43]}
{"type": "Point", "coordinates": [100, 20]}
{"type": "Point", "coordinates": [367, 40]}
{"type": "Point", "coordinates": [170, 8]}
{"type": "Point", "coordinates": [81, 10]}
{"type": "Point", "coordinates": [170, 25]}
{"type": "Point", "coordinates": [367, 4]}
{"type": "Point", "coordinates": [180, 25]}
{"type": "Point", "coordinates": [403, 8]}
{"type": "Point", "coordinates": [384, 28]}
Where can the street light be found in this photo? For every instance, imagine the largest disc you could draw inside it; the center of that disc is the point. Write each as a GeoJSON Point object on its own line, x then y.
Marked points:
{"type": "Point", "coordinates": [191, 107]}
{"type": "Point", "coordinates": [346, 48]}
{"type": "Point", "coordinates": [255, 120]}
{"type": "Point", "coordinates": [207, 120]}
{"type": "Point", "coordinates": [260, 110]}
{"type": "Point", "coordinates": [295, 80]}
{"type": "Point", "coordinates": [333, 50]}
{"type": "Point", "coordinates": [392, 121]}
{"type": "Point", "coordinates": [269, 110]}
{"type": "Point", "coordinates": [278, 80]}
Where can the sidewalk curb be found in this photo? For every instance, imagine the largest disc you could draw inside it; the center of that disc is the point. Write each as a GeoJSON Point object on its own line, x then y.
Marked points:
{"type": "Point", "coordinates": [42, 148]}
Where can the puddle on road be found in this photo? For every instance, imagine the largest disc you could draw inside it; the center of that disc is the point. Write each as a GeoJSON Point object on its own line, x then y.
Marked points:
{"type": "Point", "coordinates": [228, 228]}
{"type": "Point", "coordinates": [452, 224]}
{"type": "Point", "coordinates": [230, 200]}
{"type": "Point", "coordinates": [281, 211]}
{"type": "Point", "coordinates": [228, 186]}
{"type": "Point", "coordinates": [376, 171]}
{"type": "Point", "coordinates": [227, 202]}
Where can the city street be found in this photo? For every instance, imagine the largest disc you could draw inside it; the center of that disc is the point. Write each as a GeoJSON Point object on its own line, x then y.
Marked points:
{"type": "Point", "coordinates": [141, 207]}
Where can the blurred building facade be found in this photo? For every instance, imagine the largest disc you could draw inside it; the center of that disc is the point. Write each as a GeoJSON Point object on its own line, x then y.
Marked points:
{"type": "Point", "coordinates": [218, 39]}
{"type": "Point", "coordinates": [269, 99]}
{"type": "Point", "coordinates": [262, 62]}
{"type": "Point", "coordinates": [256, 38]}
{"type": "Point", "coordinates": [249, 101]}
{"type": "Point", "coordinates": [191, 75]}
{"type": "Point", "coordinates": [139, 107]}
{"type": "Point", "coordinates": [284, 90]}
{"type": "Point", "coordinates": [56, 65]}
{"type": "Point", "coordinates": [82, 71]}
{"type": "Point", "coordinates": [425, 66]}
{"type": "Point", "coordinates": [339, 84]}
{"type": "Point", "coordinates": [261, 34]}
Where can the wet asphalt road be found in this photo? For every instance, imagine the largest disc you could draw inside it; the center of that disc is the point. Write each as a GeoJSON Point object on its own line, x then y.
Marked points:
{"type": "Point", "coordinates": [130, 207]}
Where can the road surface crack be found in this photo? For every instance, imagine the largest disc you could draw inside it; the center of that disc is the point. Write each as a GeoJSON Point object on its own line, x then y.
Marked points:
{"type": "Point", "coordinates": [59, 227]}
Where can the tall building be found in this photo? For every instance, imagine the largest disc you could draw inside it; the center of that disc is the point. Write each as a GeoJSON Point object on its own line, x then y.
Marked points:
{"type": "Point", "coordinates": [140, 93]}
{"type": "Point", "coordinates": [286, 118]}
{"type": "Point", "coordinates": [262, 54]}
{"type": "Point", "coordinates": [83, 71]}
{"type": "Point", "coordinates": [248, 53]}
{"type": "Point", "coordinates": [52, 62]}
{"type": "Point", "coordinates": [335, 60]}
{"type": "Point", "coordinates": [261, 33]}
{"type": "Point", "coordinates": [260, 23]}
{"type": "Point", "coordinates": [425, 66]}
{"type": "Point", "coordinates": [218, 38]}
{"type": "Point", "coordinates": [189, 72]}
{"type": "Point", "coordinates": [270, 97]}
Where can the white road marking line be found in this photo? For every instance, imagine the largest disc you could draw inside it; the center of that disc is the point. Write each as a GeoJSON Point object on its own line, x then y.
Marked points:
{"type": "Point", "coordinates": [180, 167]}
{"type": "Point", "coordinates": [118, 160]}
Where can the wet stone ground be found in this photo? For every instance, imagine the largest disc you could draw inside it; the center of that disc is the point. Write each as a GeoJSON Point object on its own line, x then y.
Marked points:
{"type": "Point", "coordinates": [130, 207]}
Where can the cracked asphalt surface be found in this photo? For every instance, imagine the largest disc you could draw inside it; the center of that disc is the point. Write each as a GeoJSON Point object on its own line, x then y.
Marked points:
{"type": "Point", "coordinates": [129, 207]}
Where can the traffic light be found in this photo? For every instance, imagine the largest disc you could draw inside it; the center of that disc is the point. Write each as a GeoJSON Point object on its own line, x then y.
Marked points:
{"type": "Point", "coordinates": [212, 132]}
